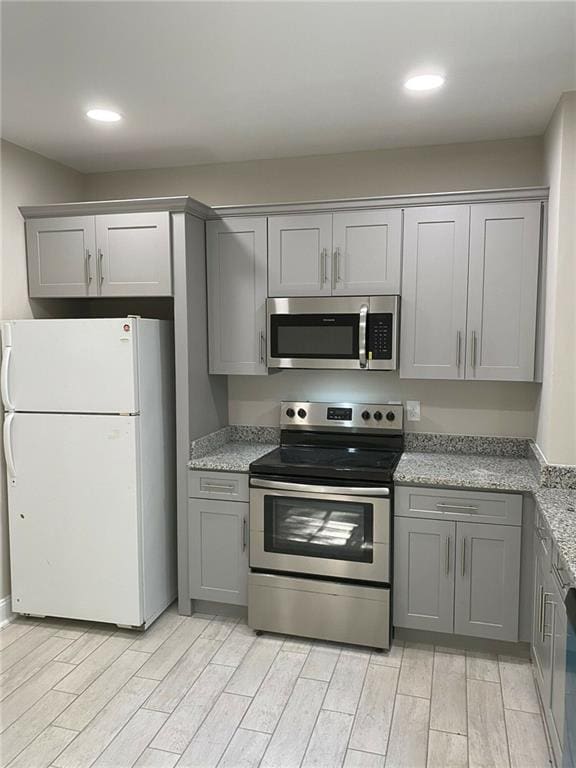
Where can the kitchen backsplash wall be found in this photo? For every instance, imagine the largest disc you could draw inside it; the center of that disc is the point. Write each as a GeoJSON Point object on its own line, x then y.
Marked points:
{"type": "Point", "coordinates": [458, 407]}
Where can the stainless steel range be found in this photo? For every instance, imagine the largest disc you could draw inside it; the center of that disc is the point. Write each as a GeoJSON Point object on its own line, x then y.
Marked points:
{"type": "Point", "coordinates": [321, 523]}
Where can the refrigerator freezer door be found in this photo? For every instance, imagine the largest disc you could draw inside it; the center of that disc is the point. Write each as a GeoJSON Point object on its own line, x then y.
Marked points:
{"type": "Point", "coordinates": [70, 366]}
{"type": "Point", "coordinates": [73, 499]}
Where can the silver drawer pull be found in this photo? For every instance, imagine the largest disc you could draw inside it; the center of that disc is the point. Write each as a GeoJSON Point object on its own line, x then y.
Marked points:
{"type": "Point", "coordinates": [541, 533]}
{"type": "Point", "coordinates": [467, 507]}
{"type": "Point", "coordinates": [557, 573]}
{"type": "Point", "coordinates": [216, 487]}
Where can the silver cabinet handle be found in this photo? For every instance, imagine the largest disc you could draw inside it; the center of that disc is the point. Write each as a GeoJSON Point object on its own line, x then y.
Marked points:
{"type": "Point", "coordinates": [337, 275]}
{"type": "Point", "coordinates": [100, 264]}
{"type": "Point", "coordinates": [464, 556]}
{"type": "Point", "coordinates": [547, 603]}
{"type": "Point", "coordinates": [458, 348]}
{"type": "Point", "coordinates": [473, 341]}
{"type": "Point", "coordinates": [362, 335]}
{"type": "Point", "coordinates": [323, 257]}
{"type": "Point", "coordinates": [244, 534]}
{"type": "Point", "coordinates": [541, 610]}
{"type": "Point", "coordinates": [467, 507]}
{"type": "Point", "coordinates": [540, 532]}
{"type": "Point", "coordinates": [217, 487]}
{"type": "Point", "coordinates": [448, 555]}
{"type": "Point", "coordinates": [262, 342]}
{"type": "Point", "coordinates": [87, 266]}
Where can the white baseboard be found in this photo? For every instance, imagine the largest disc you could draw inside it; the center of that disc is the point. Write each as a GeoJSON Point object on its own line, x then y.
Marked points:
{"type": "Point", "coordinates": [6, 614]}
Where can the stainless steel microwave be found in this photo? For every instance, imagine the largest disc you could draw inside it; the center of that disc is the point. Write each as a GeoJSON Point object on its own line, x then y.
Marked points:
{"type": "Point", "coordinates": [334, 332]}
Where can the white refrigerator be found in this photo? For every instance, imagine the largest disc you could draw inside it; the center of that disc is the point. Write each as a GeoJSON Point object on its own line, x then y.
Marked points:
{"type": "Point", "coordinates": [89, 447]}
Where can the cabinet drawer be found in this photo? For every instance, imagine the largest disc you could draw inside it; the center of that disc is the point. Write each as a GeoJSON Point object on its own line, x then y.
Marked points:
{"type": "Point", "coordinates": [226, 486]}
{"type": "Point", "coordinates": [437, 503]}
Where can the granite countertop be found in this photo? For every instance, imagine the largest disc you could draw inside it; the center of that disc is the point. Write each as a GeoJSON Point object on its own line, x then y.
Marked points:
{"type": "Point", "coordinates": [232, 457]}
{"type": "Point", "coordinates": [559, 510]}
{"type": "Point", "coordinates": [466, 471]}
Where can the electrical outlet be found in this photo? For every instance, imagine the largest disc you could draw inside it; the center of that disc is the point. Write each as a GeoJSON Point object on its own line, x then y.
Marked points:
{"type": "Point", "coordinates": [412, 410]}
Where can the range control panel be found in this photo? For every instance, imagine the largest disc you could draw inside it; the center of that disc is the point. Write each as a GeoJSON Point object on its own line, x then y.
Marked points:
{"type": "Point", "coordinates": [384, 417]}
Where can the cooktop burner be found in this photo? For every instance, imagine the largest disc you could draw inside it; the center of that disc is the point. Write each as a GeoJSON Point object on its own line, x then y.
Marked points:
{"type": "Point", "coordinates": [336, 441]}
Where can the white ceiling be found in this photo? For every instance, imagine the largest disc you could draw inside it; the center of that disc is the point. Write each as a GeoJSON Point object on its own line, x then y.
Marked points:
{"type": "Point", "coordinates": [218, 81]}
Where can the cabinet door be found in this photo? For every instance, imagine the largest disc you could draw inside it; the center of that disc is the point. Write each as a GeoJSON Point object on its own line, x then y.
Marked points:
{"type": "Point", "coordinates": [434, 284]}
{"type": "Point", "coordinates": [236, 253]}
{"type": "Point", "coordinates": [558, 632]}
{"type": "Point", "coordinates": [502, 291]}
{"type": "Point", "coordinates": [423, 589]}
{"type": "Point", "coordinates": [134, 255]}
{"type": "Point", "coordinates": [487, 581]}
{"type": "Point", "coordinates": [61, 254]}
{"type": "Point", "coordinates": [366, 253]}
{"type": "Point", "coordinates": [300, 255]}
{"type": "Point", "coordinates": [541, 642]}
{"type": "Point", "coordinates": [218, 541]}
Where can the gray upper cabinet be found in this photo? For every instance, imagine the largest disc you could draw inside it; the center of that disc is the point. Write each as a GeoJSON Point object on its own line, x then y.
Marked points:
{"type": "Point", "coordinates": [133, 254]}
{"type": "Point", "coordinates": [300, 255]}
{"type": "Point", "coordinates": [469, 291]}
{"type": "Point", "coordinates": [424, 574]}
{"type": "Point", "coordinates": [236, 254]}
{"type": "Point", "coordinates": [61, 256]}
{"type": "Point", "coordinates": [434, 288]}
{"type": "Point", "coordinates": [366, 253]}
{"type": "Point", "coordinates": [502, 297]}
{"type": "Point", "coordinates": [342, 254]}
{"type": "Point", "coordinates": [218, 540]}
{"type": "Point", "coordinates": [121, 254]}
{"type": "Point", "coordinates": [488, 584]}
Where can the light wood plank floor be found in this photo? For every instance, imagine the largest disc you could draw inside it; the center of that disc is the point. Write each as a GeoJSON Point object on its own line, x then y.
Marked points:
{"type": "Point", "coordinates": [205, 691]}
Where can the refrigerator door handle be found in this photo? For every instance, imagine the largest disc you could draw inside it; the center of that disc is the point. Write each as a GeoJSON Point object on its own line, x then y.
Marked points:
{"type": "Point", "coordinates": [4, 368]}
{"type": "Point", "coordinates": [7, 434]}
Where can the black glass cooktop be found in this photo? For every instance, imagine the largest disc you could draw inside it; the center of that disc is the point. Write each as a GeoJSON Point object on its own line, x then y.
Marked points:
{"type": "Point", "coordinates": [342, 463]}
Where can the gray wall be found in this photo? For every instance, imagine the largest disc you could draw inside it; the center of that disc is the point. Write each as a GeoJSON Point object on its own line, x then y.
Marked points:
{"type": "Point", "coordinates": [27, 179]}
{"type": "Point", "coordinates": [557, 411]}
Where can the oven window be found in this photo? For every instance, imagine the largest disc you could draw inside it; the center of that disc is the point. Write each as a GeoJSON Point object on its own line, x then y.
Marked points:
{"type": "Point", "coordinates": [339, 530]}
{"type": "Point", "coordinates": [315, 336]}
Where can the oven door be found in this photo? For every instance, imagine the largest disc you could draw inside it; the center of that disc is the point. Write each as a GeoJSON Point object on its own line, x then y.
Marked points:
{"type": "Point", "coordinates": [325, 531]}
{"type": "Point", "coordinates": [317, 332]}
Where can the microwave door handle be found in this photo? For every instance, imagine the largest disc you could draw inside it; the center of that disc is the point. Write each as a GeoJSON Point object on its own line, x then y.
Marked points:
{"type": "Point", "coordinates": [362, 336]}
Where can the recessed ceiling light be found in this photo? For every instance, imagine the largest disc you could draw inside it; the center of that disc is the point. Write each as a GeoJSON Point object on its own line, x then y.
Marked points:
{"type": "Point", "coordinates": [104, 115]}
{"type": "Point", "coordinates": [424, 82]}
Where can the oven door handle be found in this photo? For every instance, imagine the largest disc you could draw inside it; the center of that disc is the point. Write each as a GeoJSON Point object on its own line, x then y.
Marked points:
{"type": "Point", "coordinates": [337, 491]}
{"type": "Point", "coordinates": [362, 336]}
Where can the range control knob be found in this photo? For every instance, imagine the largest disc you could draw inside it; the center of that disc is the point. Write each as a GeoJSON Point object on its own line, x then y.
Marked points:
{"type": "Point", "coordinates": [390, 416]}
{"type": "Point", "coordinates": [290, 412]}
{"type": "Point", "coordinates": [378, 416]}
{"type": "Point", "coordinates": [302, 413]}
{"type": "Point", "coordinates": [365, 415]}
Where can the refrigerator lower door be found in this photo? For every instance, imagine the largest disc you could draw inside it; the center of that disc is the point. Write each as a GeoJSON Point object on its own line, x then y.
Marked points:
{"type": "Point", "coordinates": [73, 504]}
{"type": "Point", "coordinates": [70, 366]}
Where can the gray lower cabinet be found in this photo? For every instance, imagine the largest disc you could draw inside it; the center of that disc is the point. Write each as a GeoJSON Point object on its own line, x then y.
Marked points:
{"type": "Point", "coordinates": [424, 574]}
{"type": "Point", "coordinates": [549, 643]}
{"type": "Point", "coordinates": [124, 254]}
{"type": "Point", "coordinates": [61, 257]}
{"type": "Point", "coordinates": [452, 575]}
{"type": "Point", "coordinates": [236, 269]}
{"type": "Point", "coordinates": [488, 580]}
{"type": "Point", "coordinates": [218, 550]}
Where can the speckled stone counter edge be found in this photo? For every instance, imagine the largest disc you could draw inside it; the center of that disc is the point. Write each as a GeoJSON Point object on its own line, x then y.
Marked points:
{"type": "Point", "coordinates": [551, 475]}
{"type": "Point", "coordinates": [232, 434]}
{"type": "Point", "coordinates": [479, 445]}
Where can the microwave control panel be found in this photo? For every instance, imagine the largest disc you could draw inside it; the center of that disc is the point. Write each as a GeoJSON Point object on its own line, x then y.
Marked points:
{"type": "Point", "coordinates": [380, 336]}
